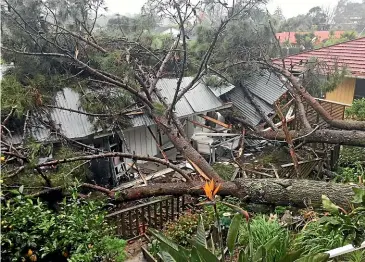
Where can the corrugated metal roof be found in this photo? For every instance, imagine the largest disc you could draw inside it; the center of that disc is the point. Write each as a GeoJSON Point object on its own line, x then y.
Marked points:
{"type": "Point", "coordinates": [266, 88]}
{"type": "Point", "coordinates": [141, 120]}
{"type": "Point", "coordinates": [265, 85]}
{"type": "Point", "coordinates": [75, 126]}
{"type": "Point", "coordinates": [248, 111]}
{"type": "Point", "coordinates": [350, 54]}
{"type": "Point", "coordinates": [198, 99]}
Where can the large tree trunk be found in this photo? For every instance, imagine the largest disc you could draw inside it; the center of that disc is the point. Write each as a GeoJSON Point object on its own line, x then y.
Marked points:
{"type": "Point", "coordinates": [268, 191]}
{"type": "Point", "coordinates": [341, 137]}
{"type": "Point", "coordinates": [185, 148]}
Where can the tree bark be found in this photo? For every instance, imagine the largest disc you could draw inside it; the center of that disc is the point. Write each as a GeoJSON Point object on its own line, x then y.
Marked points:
{"type": "Point", "coordinates": [341, 137]}
{"type": "Point", "coordinates": [266, 191]}
{"type": "Point", "coordinates": [185, 148]}
{"type": "Point", "coordinates": [341, 124]}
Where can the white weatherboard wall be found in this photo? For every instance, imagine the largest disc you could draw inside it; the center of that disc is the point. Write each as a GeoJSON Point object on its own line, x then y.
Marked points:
{"type": "Point", "coordinates": [140, 141]}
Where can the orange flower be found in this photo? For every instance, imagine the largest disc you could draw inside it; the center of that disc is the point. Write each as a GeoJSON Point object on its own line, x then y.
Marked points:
{"type": "Point", "coordinates": [210, 189]}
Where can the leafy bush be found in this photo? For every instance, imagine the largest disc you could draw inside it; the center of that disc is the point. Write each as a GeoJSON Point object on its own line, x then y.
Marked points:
{"type": "Point", "coordinates": [78, 231]}
{"type": "Point", "coordinates": [350, 155]}
{"type": "Point", "coordinates": [263, 230]}
{"type": "Point", "coordinates": [182, 229]}
{"type": "Point", "coordinates": [350, 174]}
{"type": "Point", "coordinates": [357, 110]}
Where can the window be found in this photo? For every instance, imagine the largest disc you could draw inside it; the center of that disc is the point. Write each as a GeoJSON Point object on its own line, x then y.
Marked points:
{"type": "Point", "coordinates": [359, 88]}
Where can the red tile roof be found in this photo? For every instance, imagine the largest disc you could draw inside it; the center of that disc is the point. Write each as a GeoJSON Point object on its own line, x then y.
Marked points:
{"type": "Point", "coordinates": [350, 54]}
{"type": "Point", "coordinates": [321, 36]}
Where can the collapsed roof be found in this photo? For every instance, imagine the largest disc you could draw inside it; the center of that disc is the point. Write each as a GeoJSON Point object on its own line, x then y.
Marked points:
{"type": "Point", "coordinates": [266, 89]}
{"type": "Point", "coordinates": [74, 125]}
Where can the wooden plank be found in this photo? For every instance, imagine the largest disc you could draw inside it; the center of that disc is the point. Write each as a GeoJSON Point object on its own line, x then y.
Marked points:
{"type": "Point", "coordinates": [167, 210]}
{"type": "Point", "coordinates": [160, 173]}
{"type": "Point", "coordinates": [138, 231]}
{"type": "Point", "coordinates": [172, 208]}
{"type": "Point", "coordinates": [130, 223]}
{"type": "Point", "coordinates": [135, 207]}
{"type": "Point", "coordinates": [228, 126]}
{"type": "Point", "coordinates": [177, 206]}
{"type": "Point", "coordinates": [149, 215]}
{"type": "Point", "coordinates": [155, 215]}
{"type": "Point", "coordinates": [161, 215]}
{"type": "Point", "coordinates": [203, 126]}
{"type": "Point", "coordinates": [122, 217]}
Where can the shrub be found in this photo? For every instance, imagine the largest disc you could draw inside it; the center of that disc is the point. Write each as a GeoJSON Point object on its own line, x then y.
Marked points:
{"type": "Point", "coordinates": [350, 155]}
{"type": "Point", "coordinates": [357, 110]}
{"type": "Point", "coordinates": [77, 231]}
{"type": "Point", "coordinates": [263, 230]}
{"type": "Point", "coordinates": [314, 238]}
{"type": "Point", "coordinates": [182, 229]}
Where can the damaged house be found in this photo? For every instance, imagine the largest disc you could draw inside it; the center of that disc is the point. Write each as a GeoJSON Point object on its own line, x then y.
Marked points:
{"type": "Point", "coordinates": [141, 137]}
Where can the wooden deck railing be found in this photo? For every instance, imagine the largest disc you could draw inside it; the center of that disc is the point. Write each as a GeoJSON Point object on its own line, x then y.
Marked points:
{"type": "Point", "coordinates": [133, 221]}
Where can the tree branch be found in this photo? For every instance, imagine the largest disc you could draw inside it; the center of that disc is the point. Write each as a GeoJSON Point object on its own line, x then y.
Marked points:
{"type": "Point", "coordinates": [118, 154]}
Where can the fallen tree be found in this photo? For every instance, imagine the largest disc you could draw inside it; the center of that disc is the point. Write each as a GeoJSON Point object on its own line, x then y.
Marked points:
{"type": "Point", "coordinates": [299, 193]}
{"type": "Point", "coordinates": [329, 136]}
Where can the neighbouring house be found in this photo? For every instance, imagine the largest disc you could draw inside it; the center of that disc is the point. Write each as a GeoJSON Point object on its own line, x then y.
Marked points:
{"type": "Point", "coordinates": [350, 55]}
{"type": "Point", "coordinates": [320, 36]}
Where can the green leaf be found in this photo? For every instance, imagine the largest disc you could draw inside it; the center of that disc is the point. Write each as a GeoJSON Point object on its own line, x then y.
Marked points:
{"type": "Point", "coordinates": [194, 256]}
{"type": "Point", "coordinates": [166, 257]}
{"type": "Point", "coordinates": [177, 255]}
{"type": "Point", "coordinates": [291, 256]}
{"type": "Point", "coordinates": [271, 243]}
{"type": "Point", "coordinates": [359, 196]}
{"type": "Point", "coordinates": [321, 257]}
{"type": "Point", "coordinates": [200, 234]}
{"type": "Point", "coordinates": [329, 206]}
{"type": "Point", "coordinates": [205, 255]}
{"type": "Point", "coordinates": [233, 233]}
{"type": "Point", "coordinates": [163, 239]}
{"type": "Point", "coordinates": [260, 254]}
{"type": "Point", "coordinates": [244, 256]}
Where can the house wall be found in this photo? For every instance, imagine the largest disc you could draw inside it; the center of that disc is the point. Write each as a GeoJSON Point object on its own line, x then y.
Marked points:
{"type": "Point", "coordinates": [344, 93]}
{"type": "Point", "coordinates": [141, 141]}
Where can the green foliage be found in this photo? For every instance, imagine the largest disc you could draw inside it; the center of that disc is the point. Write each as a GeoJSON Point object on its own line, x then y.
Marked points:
{"type": "Point", "coordinates": [214, 81]}
{"type": "Point", "coordinates": [351, 164]}
{"type": "Point", "coordinates": [320, 78]}
{"type": "Point", "coordinates": [350, 174]}
{"type": "Point", "coordinates": [182, 229]}
{"type": "Point", "coordinates": [305, 39]}
{"type": "Point", "coordinates": [356, 110]}
{"type": "Point", "coordinates": [263, 230]}
{"type": "Point", "coordinates": [14, 95]}
{"type": "Point", "coordinates": [350, 225]}
{"type": "Point", "coordinates": [314, 238]}
{"type": "Point", "coordinates": [225, 171]}
{"type": "Point", "coordinates": [159, 108]}
{"type": "Point", "coordinates": [77, 230]}
{"type": "Point", "coordinates": [112, 102]}
{"type": "Point", "coordinates": [170, 251]}
{"type": "Point", "coordinates": [345, 36]}
{"type": "Point", "coordinates": [350, 155]}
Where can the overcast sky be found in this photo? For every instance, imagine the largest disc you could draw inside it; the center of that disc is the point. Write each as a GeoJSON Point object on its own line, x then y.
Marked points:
{"type": "Point", "coordinates": [290, 7]}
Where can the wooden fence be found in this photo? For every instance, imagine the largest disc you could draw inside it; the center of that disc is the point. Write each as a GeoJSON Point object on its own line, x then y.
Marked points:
{"type": "Point", "coordinates": [133, 222]}
{"type": "Point", "coordinates": [335, 109]}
